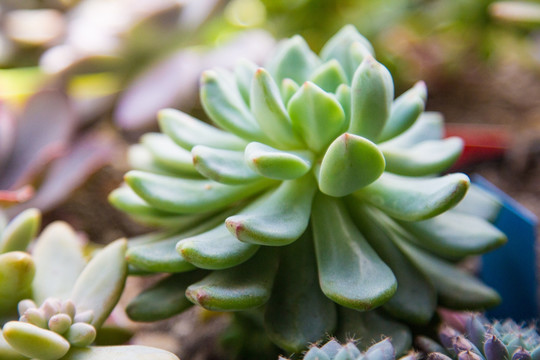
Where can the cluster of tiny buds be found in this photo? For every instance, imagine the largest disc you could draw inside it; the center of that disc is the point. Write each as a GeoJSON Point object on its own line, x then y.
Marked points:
{"type": "Point", "coordinates": [62, 318]}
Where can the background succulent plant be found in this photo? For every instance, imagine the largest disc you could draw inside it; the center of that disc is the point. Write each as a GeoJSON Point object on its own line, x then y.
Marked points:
{"type": "Point", "coordinates": [74, 296]}
{"type": "Point", "coordinates": [473, 336]}
{"type": "Point", "coordinates": [333, 350]}
{"type": "Point", "coordinates": [317, 180]}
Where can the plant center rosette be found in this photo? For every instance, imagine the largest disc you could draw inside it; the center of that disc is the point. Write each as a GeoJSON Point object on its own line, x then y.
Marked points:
{"type": "Point", "coordinates": [317, 192]}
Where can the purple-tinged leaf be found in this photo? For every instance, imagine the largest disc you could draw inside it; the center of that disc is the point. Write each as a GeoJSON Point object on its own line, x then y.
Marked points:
{"type": "Point", "coordinates": [85, 157]}
{"type": "Point", "coordinates": [168, 83]}
{"type": "Point", "coordinates": [7, 130]}
{"type": "Point", "coordinates": [11, 197]}
{"type": "Point", "coordinates": [42, 133]}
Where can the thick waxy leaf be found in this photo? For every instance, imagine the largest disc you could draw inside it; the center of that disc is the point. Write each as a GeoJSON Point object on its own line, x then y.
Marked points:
{"type": "Point", "coordinates": [429, 126]}
{"type": "Point", "coordinates": [158, 253]}
{"type": "Point", "coordinates": [20, 231]}
{"type": "Point", "coordinates": [298, 313]}
{"type": "Point", "coordinates": [140, 158]}
{"type": "Point", "coordinates": [341, 251]}
{"type": "Point", "coordinates": [59, 260]}
{"type": "Point", "coordinates": [372, 92]}
{"type": "Point", "coordinates": [455, 234]}
{"type": "Point", "coordinates": [349, 351]}
{"type": "Point", "coordinates": [343, 95]}
{"type": "Point", "coordinates": [415, 299]}
{"type": "Point", "coordinates": [350, 163]}
{"type": "Point", "coordinates": [277, 218]}
{"type": "Point", "coordinates": [35, 342]}
{"type": "Point", "coordinates": [168, 154]}
{"type": "Point", "coordinates": [100, 285]}
{"type": "Point", "coordinates": [187, 195]}
{"type": "Point", "coordinates": [243, 74]}
{"type": "Point", "coordinates": [187, 132]}
{"type": "Point", "coordinates": [269, 111]}
{"type": "Point", "coordinates": [413, 199]}
{"type": "Point", "coordinates": [316, 115]}
{"type": "Point", "coordinates": [127, 201]}
{"type": "Point", "coordinates": [288, 89]}
{"type": "Point", "coordinates": [7, 352]}
{"type": "Point", "coordinates": [370, 326]}
{"type": "Point", "coordinates": [17, 271]}
{"type": "Point", "coordinates": [338, 47]}
{"type": "Point", "coordinates": [426, 158]}
{"type": "Point", "coordinates": [455, 288]}
{"type": "Point", "coordinates": [215, 249]}
{"type": "Point", "coordinates": [224, 166]}
{"type": "Point", "coordinates": [329, 76]}
{"type": "Point", "coordinates": [293, 59]}
{"type": "Point", "coordinates": [242, 287]}
{"type": "Point", "coordinates": [224, 105]}
{"type": "Point", "coordinates": [478, 202]}
{"type": "Point", "coordinates": [131, 352]}
{"type": "Point", "coordinates": [163, 300]}
{"type": "Point", "coordinates": [277, 164]}
{"type": "Point", "coordinates": [405, 111]}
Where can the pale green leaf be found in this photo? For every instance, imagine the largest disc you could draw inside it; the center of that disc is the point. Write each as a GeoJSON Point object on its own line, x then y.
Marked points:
{"type": "Point", "coordinates": [20, 231]}
{"type": "Point", "coordinates": [277, 164]}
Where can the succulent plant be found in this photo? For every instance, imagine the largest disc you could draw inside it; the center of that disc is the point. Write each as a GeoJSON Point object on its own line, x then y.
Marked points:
{"type": "Point", "coordinates": [316, 192]}
{"type": "Point", "coordinates": [75, 297]}
{"type": "Point", "coordinates": [333, 350]}
{"type": "Point", "coordinates": [476, 337]}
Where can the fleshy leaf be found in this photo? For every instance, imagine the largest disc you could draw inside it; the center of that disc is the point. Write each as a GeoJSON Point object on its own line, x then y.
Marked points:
{"type": "Point", "coordinates": [343, 95]}
{"type": "Point", "coordinates": [100, 285]}
{"type": "Point", "coordinates": [296, 297]}
{"type": "Point", "coordinates": [269, 111]}
{"type": "Point", "coordinates": [456, 289]}
{"type": "Point", "coordinates": [223, 166]}
{"type": "Point", "coordinates": [158, 254]}
{"type": "Point", "coordinates": [131, 352]}
{"type": "Point", "coordinates": [126, 200]}
{"type": "Point", "coordinates": [59, 260]}
{"type": "Point", "coordinates": [17, 271]}
{"type": "Point", "coordinates": [293, 59]}
{"type": "Point", "coordinates": [350, 163]}
{"type": "Point", "coordinates": [426, 158]}
{"type": "Point", "coordinates": [20, 231]}
{"type": "Point", "coordinates": [316, 354]}
{"type": "Point", "coordinates": [164, 299]}
{"type": "Point", "coordinates": [35, 342]}
{"type": "Point", "coordinates": [277, 218]}
{"type": "Point", "coordinates": [429, 126]}
{"type": "Point", "coordinates": [277, 164]}
{"type": "Point", "coordinates": [188, 131]}
{"type": "Point", "coordinates": [7, 352]}
{"type": "Point", "coordinates": [481, 203]}
{"type": "Point", "coordinates": [316, 115]}
{"type": "Point", "coordinates": [140, 158]}
{"type": "Point", "coordinates": [414, 199]}
{"type": "Point", "coordinates": [215, 249]}
{"type": "Point", "coordinates": [242, 287]}
{"type": "Point", "coordinates": [415, 299]}
{"type": "Point", "coordinates": [224, 105]}
{"type": "Point", "coordinates": [372, 92]}
{"type": "Point", "coordinates": [341, 251]}
{"type": "Point", "coordinates": [243, 74]}
{"type": "Point", "coordinates": [186, 195]}
{"type": "Point", "coordinates": [329, 76]}
{"type": "Point", "coordinates": [405, 111]}
{"type": "Point", "coordinates": [338, 47]}
{"type": "Point", "coordinates": [288, 89]}
{"type": "Point", "coordinates": [168, 154]}
{"type": "Point", "coordinates": [455, 234]}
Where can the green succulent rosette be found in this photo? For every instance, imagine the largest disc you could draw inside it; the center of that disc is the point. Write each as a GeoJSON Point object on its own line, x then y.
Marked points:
{"type": "Point", "coordinates": [316, 192]}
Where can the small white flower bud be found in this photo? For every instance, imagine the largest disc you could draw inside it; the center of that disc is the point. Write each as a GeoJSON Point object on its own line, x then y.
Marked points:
{"type": "Point", "coordinates": [84, 317]}
{"type": "Point", "coordinates": [60, 323]}
{"type": "Point", "coordinates": [25, 305]}
{"type": "Point", "coordinates": [81, 334]}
